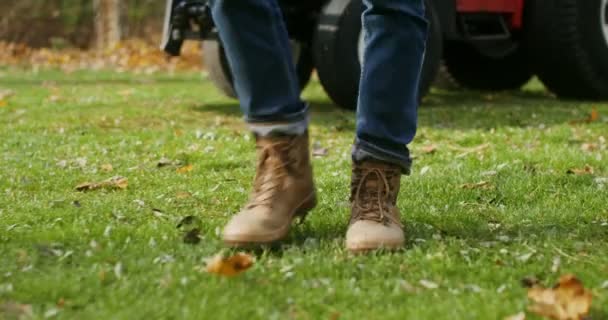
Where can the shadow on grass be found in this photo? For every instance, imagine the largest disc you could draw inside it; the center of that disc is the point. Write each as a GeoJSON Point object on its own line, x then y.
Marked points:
{"type": "Point", "coordinates": [450, 110]}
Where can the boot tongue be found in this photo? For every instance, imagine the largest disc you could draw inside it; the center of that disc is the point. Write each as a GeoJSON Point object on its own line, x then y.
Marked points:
{"type": "Point", "coordinates": [373, 186]}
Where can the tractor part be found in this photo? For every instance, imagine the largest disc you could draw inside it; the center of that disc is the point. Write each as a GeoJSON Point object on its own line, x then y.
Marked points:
{"type": "Point", "coordinates": [216, 63]}
{"type": "Point", "coordinates": [185, 19]}
{"type": "Point", "coordinates": [568, 45]}
{"type": "Point", "coordinates": [475, 69]}
{"type": "Point", "coordinates": [338, 51]}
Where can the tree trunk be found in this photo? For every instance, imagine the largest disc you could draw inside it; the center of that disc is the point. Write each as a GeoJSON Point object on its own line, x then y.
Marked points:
{"type": "Point", "coordinates": [107, 23]}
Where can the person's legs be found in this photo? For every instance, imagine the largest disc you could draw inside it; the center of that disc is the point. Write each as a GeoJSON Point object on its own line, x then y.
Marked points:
{"type": "Point", "coordinates": [256, 42]}
{"type": "Point", "coordinates": [257, 47]}
{"type": "Point", "coordinates": [395, 38]}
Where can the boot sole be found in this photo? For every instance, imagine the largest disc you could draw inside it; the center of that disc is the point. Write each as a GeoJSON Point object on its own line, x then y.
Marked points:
{"type": "Point", "coordinates": [371, 248]}
{"type": "Point", "coordinates": [251, 241]}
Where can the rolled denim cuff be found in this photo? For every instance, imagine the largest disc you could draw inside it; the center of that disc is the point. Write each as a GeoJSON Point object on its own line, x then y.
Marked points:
{"type": "Point", "coordinates": [279, 128]}
{"type": "Point", "coordinates": [278, 117]}
{"type": "Point", "coordinates": [363, 150]}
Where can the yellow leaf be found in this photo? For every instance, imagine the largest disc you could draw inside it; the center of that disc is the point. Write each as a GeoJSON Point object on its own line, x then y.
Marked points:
{"type": "Point", "coordinates": [106, 167]}
{"type": "Point", "coordinates": [229, 266]}
{"type": "Point", "coordinates": [178, 132]}
{"type": "Point", "coordinates": [185, 169]}
{"type": "Point", "coordinates": [3, 103]}
{"type": "Point", "coordinates": [568, 300]}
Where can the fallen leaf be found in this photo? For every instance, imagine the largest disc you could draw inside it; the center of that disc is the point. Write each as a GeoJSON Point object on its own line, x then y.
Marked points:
{"type": "Point", "coordinates": [126, 92]}
{"type": "Point", "coordinates": [178, 132]}
{"type": "Point", "coordinates": [568, 300]}
{"type": "Point", "coordinates": [185, 169]}
{"type": "Point", "coordinates": [191, 227]}
{"type": "Point", "coordinates": [229, 266]}
{"type": "Point", "coordinates": [589, 147]}
{"type": "Point", "coordinates": [14, 310]}
{"type": "Point", "coordinates": [183, 195]}
{"type": "Point", "coordinates": [429, 149]}
{"type": "Point", "coordinates": [518, 316]}
{"type": "Point", "coordinates": [428, 284]}
{"type": "Point", "coordinates": [480, 184]}
{"type": "Point", "coordinates": [320, 152]}
{"type": "Point", "coordinates": [594, 115]}
{"type": "Point", "coordinates": [106, 167]}
{"type": "Point", "coordinates": [4, 96]}
{"type": "Point", "coordinates": [584, 171]}
{"type": "Point", "coordinates": [424, 170]}
{"type": "Point", "coordinates": [165, 162]}
{"type": "Point", "coordinates": [116, 182]}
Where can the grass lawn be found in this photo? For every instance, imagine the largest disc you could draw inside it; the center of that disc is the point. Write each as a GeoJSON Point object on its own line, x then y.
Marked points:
{"type": "Point", "coordinates": [492, 204]}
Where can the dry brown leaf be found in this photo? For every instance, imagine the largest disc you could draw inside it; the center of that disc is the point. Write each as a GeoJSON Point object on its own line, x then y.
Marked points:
{"type": "Point", "coordinates": [165, 162]}
{"type": "Point", "coordinates": [320, 152]}
{"type": "Point", "coordinates": [480, 184]}
{"type": "Point", "coordinates": [589, 147]}
{"type": "Point", "coordinates": [4, 96]}
{"type": "Point", "coordinates": [518, 316]}
{"type": "Point", "coordinates": [568, 300]}
{"type": "Point", "coordinates": [106, 167]}
{"type": "Point", "coordinates": [594, 116]}
{"type": "Point", "coordinates": [429, 149]}
{"type": "Point", "coordinates": [126, 92]}
{"type": "Point", "coordinates": [116, 182]}
{"type": "Point", "coordinates": [183, 195]}
{"type": "Point", "coordinates": [229, 266]}
{"type": "Point", "coordinates": [185, 169]}
{"type": "Point", "coordinates": [579, 172]}
{"type": "Point", "coordinates": [14, 310]}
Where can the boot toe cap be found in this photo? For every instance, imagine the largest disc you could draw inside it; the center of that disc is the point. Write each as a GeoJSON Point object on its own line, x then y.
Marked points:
{"type": "Point", "coordinates": [246, 227]}
{"type": "Point", "coordinates": [366, 235]}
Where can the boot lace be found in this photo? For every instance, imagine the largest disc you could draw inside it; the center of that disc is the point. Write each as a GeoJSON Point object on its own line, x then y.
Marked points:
{"type": "Point", "coordinates": [270, 174]}
{"type": "Point", "coordinates": [373, 204]}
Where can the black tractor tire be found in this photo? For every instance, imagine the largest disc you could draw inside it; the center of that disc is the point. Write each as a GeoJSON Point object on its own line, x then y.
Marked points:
{"type": "Point", "coordinates": [337, 57]}
{"type": "Point", "coordinates": [568, 47]}
{"type": "Point", "coordinates": [216, 64]}
{"type": "Point", "coordinates": [471, 68]}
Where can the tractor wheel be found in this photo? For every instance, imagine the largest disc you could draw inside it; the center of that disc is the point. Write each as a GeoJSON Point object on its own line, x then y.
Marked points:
{"type": "Point", "coordinates": [568, 44]}
{"type": "Point", "coordinates": [474, 69]}
{"type": "Point", "coordinates": [338, 51]}
{"type": "Point", "coordinates": [216, 64]}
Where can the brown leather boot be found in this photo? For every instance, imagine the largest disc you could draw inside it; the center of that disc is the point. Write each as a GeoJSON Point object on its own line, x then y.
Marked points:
{"type": "Point", "coordinates": [283, 189]}
{"type": "Point", "coordinates": [374, 221]}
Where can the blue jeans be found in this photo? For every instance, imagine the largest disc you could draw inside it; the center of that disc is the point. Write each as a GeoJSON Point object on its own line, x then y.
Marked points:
{"type": "Point", "coordinates": [258, 51]}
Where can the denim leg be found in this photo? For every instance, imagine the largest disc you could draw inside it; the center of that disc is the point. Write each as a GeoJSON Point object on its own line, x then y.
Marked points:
{"type": "Point", "coordinates": [258, 50]}
{"type": "Point", "coordinates": [395, 40]}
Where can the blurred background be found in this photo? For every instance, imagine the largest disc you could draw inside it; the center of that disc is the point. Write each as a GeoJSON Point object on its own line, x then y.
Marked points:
{"type": "Point", "coordinates": [88, 34]}
{"type": "Point", "coordinates": [78, 23]}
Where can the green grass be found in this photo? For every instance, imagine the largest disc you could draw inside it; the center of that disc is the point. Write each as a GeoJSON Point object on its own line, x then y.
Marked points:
{"type": "Point", "coordinates": [107, 255]}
